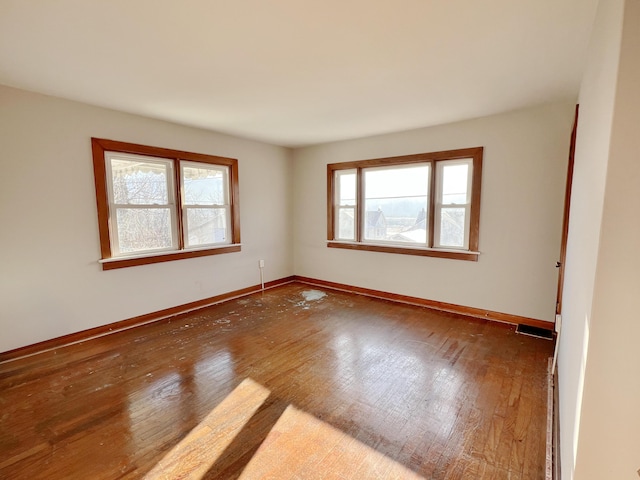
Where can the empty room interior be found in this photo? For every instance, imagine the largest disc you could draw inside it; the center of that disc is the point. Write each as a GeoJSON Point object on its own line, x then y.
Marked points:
{"type": "Point", "coordinates": [344, 240]}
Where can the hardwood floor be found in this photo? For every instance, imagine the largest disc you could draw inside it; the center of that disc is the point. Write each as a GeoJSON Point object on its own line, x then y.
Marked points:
{"type": "Point", "coordinates": [295, 382]}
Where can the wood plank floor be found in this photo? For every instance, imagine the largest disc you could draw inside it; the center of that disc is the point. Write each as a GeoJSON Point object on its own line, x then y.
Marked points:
{"type": "Point", "coordinates": [342, 384]}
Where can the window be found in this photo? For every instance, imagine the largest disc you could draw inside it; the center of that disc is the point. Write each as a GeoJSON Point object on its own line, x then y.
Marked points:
{"type": "Point", "coordinates": [156, 204]}
{"type": "Point", "coordinates": [426, 204]}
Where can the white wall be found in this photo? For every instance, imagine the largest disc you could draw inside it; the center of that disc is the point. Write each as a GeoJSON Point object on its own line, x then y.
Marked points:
{"type": "Point", "coordinates": [609, 437]}
{"type": "Point", "coordinates": [596, 100]}
{"type": "Point", "coordinates": [50, 281]}
{"type": "Point", "coordinates": [523, 182]}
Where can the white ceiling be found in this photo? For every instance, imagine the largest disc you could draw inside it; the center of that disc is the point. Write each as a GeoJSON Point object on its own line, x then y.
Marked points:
{"type": "Point", "coordinates": [298, 72]}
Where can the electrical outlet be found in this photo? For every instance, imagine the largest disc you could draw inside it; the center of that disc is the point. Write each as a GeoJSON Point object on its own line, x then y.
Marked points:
{"type": "Point", "coordinates": [261, 263]}
{"type": "Point", "coordinates": [558, 323]}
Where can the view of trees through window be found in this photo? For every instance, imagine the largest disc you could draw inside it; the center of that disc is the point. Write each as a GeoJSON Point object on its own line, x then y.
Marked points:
{"type": "Point", "coordinates": [157, 205]}
{"type": "Point", "coordinates": [144, 204]}
{"type": "Point", "coordinates": [206, 205]}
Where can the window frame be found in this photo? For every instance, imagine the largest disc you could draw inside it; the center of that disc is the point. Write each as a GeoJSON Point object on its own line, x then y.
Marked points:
{"type": "Point", "coordinates": [353, 207]}
{"type": "Point", "coordinates": [115, 207]}
{"type": "Point", "coordinates": [109, 260]}
{"type": "Point", "coordinates": [439, 205]}
{"type": "Point", "coordinates": [471, 253]}
{"type": "Point", "coordinates": [185, 207]}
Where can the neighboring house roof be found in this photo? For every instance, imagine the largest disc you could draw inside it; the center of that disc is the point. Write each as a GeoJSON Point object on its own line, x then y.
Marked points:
{"type": "Point", "coordinates": [375, 218]}
{"type": "Point", "coordinates": [421, 221]}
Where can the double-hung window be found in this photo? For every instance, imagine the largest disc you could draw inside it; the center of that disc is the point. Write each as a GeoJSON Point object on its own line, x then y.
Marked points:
{"type": "Point", "coordinates": [156, 204]}
{"type": "Point", "coordinates": [426, 204]}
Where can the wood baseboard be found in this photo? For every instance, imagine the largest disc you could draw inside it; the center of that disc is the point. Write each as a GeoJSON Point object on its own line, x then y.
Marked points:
{"type": "Point", "coordinates": [442, 306]}
{"type": "Point", "coordinates": [102, 330]}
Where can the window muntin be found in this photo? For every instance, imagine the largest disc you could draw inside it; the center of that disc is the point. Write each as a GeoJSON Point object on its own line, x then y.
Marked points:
{"type": "Point", "coordinates": [156, 204]}
{"type": "Point", "coordinates": [426, 204]}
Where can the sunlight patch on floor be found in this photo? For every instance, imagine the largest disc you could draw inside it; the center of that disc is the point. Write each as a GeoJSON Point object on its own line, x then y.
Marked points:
{"type": "Point", "coordinates": [198, 451]}
{"type": "Point", "coordinates": [300, 446]}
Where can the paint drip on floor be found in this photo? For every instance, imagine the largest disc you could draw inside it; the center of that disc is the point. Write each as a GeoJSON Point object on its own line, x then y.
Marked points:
{"type": "Point", "coordinates": [312, 295]}
{"type": "Point", "coordinates": [308, 296]}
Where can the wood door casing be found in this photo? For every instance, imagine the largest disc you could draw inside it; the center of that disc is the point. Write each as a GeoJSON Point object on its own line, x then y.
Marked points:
{"type": "Point", "coordinates": [565, 221]}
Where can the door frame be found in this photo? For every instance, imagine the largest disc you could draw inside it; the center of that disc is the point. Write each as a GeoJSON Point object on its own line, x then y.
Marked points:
{"type": "Point", "coordinates": [565, 221]}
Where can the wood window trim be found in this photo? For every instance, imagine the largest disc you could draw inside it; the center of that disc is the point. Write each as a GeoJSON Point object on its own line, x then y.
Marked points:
{"type": "Point", "coordinates": [475, 153]}
{"type": "Point", "coordinates": [99, 146]}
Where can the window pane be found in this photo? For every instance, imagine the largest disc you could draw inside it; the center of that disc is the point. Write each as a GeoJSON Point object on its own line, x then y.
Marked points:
{"type": "Point", "coordinates": [396, 182]}
{"type": "Point", "coordinates": [452, 222]}
{"type": "Point", "coordinates": [396, 219]}
{"type": "Point", "coordinates": [139, 182]}
{"type": "Point", "coordinates": [204, 186]}
{"type": "Point", "coordinates": [206, 226]}
{"type": "Point", "coordinates": [396, 204]}
{"type": "Point", "coordinates": [143, 229]}
{"type": "Point", "coordinates": [346, 224]}
{"type": "Point", "coordinates": [346, 192]}
{"type": "Point", "coordinates": [455, 180]}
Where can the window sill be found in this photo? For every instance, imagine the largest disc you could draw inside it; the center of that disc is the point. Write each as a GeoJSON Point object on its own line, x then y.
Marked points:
{"type": "Point", "coordinates": [148, 258]}
{"type": "Point", "coordinates": [407, 250]}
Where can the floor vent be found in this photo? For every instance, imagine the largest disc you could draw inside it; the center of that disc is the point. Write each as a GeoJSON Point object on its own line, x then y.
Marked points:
{"type": "Point", "coordinates": [535, 331]}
